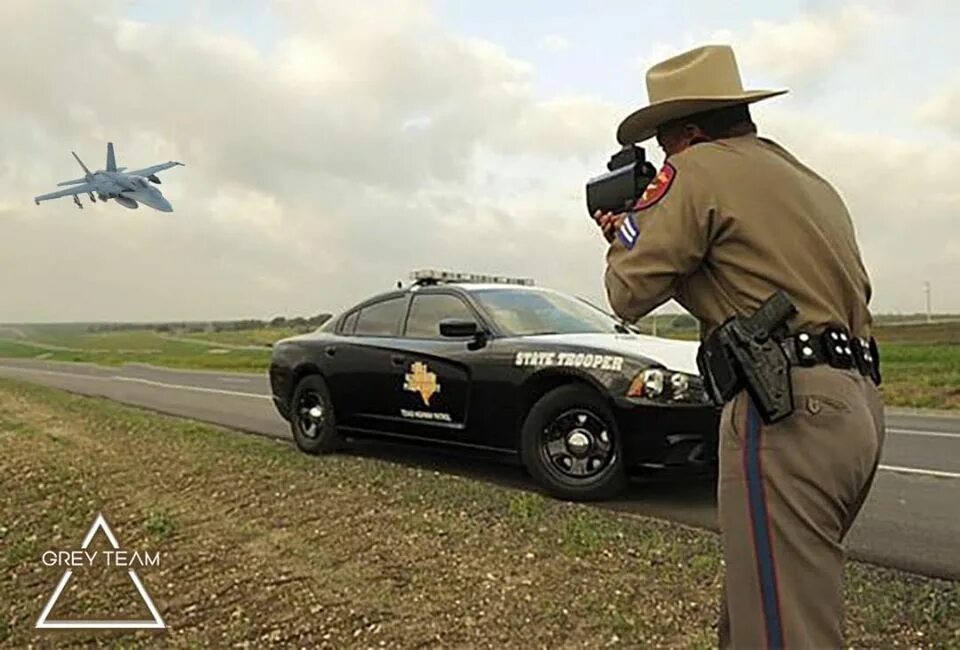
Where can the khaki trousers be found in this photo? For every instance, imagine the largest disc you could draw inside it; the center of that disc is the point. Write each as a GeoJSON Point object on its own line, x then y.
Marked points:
{"type": "Point", "coordinates": [788, 493]}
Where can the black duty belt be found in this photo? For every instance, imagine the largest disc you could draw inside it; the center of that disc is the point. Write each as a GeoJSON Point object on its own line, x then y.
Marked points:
{"type": "Point", "coordinates": [834, 347]}
{"type": "Point", "coordinates": [751, 352]}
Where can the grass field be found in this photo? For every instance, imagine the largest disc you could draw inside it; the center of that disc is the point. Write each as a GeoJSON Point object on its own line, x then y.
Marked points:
{"type": "Point", "coordinates": [262, 337]}
{"type": "Point", "coordinates": [920, 333]}
{"type": "Point", "coordinates": [921, 376]}
{"type": "Point", "coordinates": [921, 362]}
{"type": "Point", "coordinates": [261, 545]}
{"type": "Point", "coordinates": [133, 346]}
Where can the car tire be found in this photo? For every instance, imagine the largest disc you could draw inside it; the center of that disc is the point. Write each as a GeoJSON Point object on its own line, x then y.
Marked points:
{"type": "Point", "coordinates": [571, 446]}
{"type": "Point", "coordinates": [312, 420]}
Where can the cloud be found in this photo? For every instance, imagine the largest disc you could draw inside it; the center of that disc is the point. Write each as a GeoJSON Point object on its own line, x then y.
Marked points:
{"type": "Point", "coordinates": [943, 106]}
{"type": "Point", "coordinates": [793, 52]}
{"type": "Point", "coordinates": [903, 198]}
{"type": "Point", "coordinates": [553, 43]}
{"type": "Point", "coordinates": [366, 140]}
{"type": "Point", "coordinates": [800, 50]}
{"type": "Point", "coordinates": [318, 170]}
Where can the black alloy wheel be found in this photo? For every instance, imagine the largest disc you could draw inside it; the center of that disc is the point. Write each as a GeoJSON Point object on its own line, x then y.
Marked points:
{"type": "Point", "coordinates": [577, 444]}
{"type": "Point", "coordinates": [313, 421]}
{"type": "Point", "coordinates": [571, 446]}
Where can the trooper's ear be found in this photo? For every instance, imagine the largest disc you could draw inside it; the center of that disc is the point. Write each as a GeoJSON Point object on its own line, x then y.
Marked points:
{"type": "Point", "coordinates": [694, 134]}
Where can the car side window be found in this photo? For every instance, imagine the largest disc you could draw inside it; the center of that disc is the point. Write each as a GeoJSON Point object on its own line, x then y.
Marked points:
{"type": "Point", "coordinates": [349, 323]}
{"type": "Point", "coordinates": [427, 310]}
{"type": "Point", "coordinates": [380, 318]}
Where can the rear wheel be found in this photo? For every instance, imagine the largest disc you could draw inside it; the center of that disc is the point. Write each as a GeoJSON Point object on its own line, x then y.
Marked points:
{"type": "Point", "coordinates": [571, 446]}
{"type": "Point", "coordinates": [313, 422]}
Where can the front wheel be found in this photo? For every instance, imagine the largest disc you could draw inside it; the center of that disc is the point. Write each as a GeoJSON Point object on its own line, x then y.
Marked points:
{"type": "Point", "coordinates": [571, 446]}
{"type": "Point", "coordinates": [313, 423]}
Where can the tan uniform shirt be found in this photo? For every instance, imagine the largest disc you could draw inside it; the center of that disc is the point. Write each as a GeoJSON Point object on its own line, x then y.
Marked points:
{"type": "Point", "coordinates": [740, 218]}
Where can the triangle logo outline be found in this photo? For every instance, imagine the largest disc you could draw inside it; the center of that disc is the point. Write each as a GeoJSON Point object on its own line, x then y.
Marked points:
{"type": "Point", "coordinates": [156, 623]}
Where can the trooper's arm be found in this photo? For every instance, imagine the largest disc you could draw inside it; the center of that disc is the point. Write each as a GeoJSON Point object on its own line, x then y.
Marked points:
{"type": "Point", "coordinates": [660, 242]}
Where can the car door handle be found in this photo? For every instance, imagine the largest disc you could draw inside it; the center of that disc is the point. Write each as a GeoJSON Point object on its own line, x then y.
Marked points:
{"type": "Point", "coordinates": [398, 359]}
{"type": "Point", "coordinates": [331, 351]}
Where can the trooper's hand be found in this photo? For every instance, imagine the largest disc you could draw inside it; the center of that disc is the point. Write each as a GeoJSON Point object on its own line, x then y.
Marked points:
{"type": "Point", "coordinates": [609, 223]}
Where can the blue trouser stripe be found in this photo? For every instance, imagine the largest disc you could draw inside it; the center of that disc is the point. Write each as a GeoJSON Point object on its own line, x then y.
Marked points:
{"type": "Point", "coordinates": [761, 530]}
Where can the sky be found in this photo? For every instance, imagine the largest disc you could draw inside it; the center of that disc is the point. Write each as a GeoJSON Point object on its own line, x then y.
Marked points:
{"type": "Point", "coordinates": [333, 147]}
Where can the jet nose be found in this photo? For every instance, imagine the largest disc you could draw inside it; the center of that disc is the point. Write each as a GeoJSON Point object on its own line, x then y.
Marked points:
{"type": "Point", "coordinates": [164, 205]}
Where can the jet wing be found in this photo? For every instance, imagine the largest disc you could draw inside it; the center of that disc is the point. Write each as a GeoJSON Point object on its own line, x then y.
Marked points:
{"type": "Point", "coordinates": [75, 181]}
{"type": "Point", "coordinates": [147, 171]}
{"type": "Point", "coordinates": [82, 188]}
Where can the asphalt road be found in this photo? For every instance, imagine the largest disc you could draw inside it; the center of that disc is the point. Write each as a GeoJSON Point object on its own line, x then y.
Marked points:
{"type": "Point", "coordinates": [911, 520]}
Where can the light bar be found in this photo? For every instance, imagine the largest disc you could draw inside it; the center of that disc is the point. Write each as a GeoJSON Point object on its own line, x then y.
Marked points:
{"type": "Point", "coordinates": [433, 275]}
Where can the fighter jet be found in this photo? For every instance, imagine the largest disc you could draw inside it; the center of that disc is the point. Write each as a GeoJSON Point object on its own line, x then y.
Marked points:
{"type": "Point", "coordinates": [129, 189]}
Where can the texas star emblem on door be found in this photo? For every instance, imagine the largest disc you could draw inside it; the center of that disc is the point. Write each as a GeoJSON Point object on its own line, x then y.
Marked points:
{"type": "Point", "coordinates": [421, 380]}
{"type": "Point", "coordinates": [431, 396]}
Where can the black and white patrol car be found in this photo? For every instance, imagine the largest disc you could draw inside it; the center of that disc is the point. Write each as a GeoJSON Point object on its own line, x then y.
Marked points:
{"type": "Point", "coordinates": [497, 364]}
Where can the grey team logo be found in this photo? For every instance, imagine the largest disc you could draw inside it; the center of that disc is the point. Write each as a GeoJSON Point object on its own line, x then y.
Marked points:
{"type": "Point", "coordinates": [116, 557]}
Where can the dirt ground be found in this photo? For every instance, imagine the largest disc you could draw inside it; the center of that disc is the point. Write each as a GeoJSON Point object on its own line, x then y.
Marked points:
{"type": "Point", "coordinates": [260, 545]}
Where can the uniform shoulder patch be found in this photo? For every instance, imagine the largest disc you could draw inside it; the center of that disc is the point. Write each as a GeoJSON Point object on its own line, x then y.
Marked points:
{"type": "Point", "coordinates": [657, 188]}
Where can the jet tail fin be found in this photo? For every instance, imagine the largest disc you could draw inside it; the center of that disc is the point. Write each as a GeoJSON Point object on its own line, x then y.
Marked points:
{"type": "Point", "coordinates": [111, 159]}
{"type": "Point", "coordinates": [85, 170]}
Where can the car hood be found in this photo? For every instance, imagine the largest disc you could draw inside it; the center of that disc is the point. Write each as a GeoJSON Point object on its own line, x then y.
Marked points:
{"type": "Point", "coordinates": [671, 353]}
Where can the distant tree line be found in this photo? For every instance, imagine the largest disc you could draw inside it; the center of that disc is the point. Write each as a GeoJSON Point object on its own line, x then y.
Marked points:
{"type": "Point", "coordinates": [297, 323]}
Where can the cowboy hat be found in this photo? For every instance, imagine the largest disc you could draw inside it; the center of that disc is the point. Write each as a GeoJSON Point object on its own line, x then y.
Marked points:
{"type": "Point", "coordinates": [702, 79]}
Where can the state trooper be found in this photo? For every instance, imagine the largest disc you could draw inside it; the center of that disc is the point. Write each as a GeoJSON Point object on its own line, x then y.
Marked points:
{"type": "Point", "coordinates": [730, 219]}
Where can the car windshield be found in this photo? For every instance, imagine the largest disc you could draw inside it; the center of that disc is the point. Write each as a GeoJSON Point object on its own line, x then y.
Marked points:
{"type": "Point", "coordinates": [524, 312]}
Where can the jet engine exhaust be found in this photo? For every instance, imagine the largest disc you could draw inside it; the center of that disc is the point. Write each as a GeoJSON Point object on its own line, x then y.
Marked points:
{"type": "Point", "coordinates": [126, 202]}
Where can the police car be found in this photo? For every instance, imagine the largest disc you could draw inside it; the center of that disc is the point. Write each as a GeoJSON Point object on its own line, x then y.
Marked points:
{"type": "Point", "coordinates": [492, 363]}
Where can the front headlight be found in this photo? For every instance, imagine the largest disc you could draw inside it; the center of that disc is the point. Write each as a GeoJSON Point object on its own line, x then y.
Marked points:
{"type": "Point", "coordinates": [679, 385]}
{"type": "Point", "coordinates": [666, 386]}
{"type": "Point", "coordinates": [649, 383]}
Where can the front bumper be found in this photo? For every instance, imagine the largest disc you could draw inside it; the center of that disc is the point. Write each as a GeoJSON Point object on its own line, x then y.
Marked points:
{"type": "Point", "coordinates": [282, 406]}
{"type": "Point", "coordinates": [281, 389]}
{"type": "Point", "coordinates": [668, 435]}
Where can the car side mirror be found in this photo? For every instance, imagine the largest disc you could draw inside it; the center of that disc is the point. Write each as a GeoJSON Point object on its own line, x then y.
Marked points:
{"type": "Point", "coordinates": [457, 328]}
